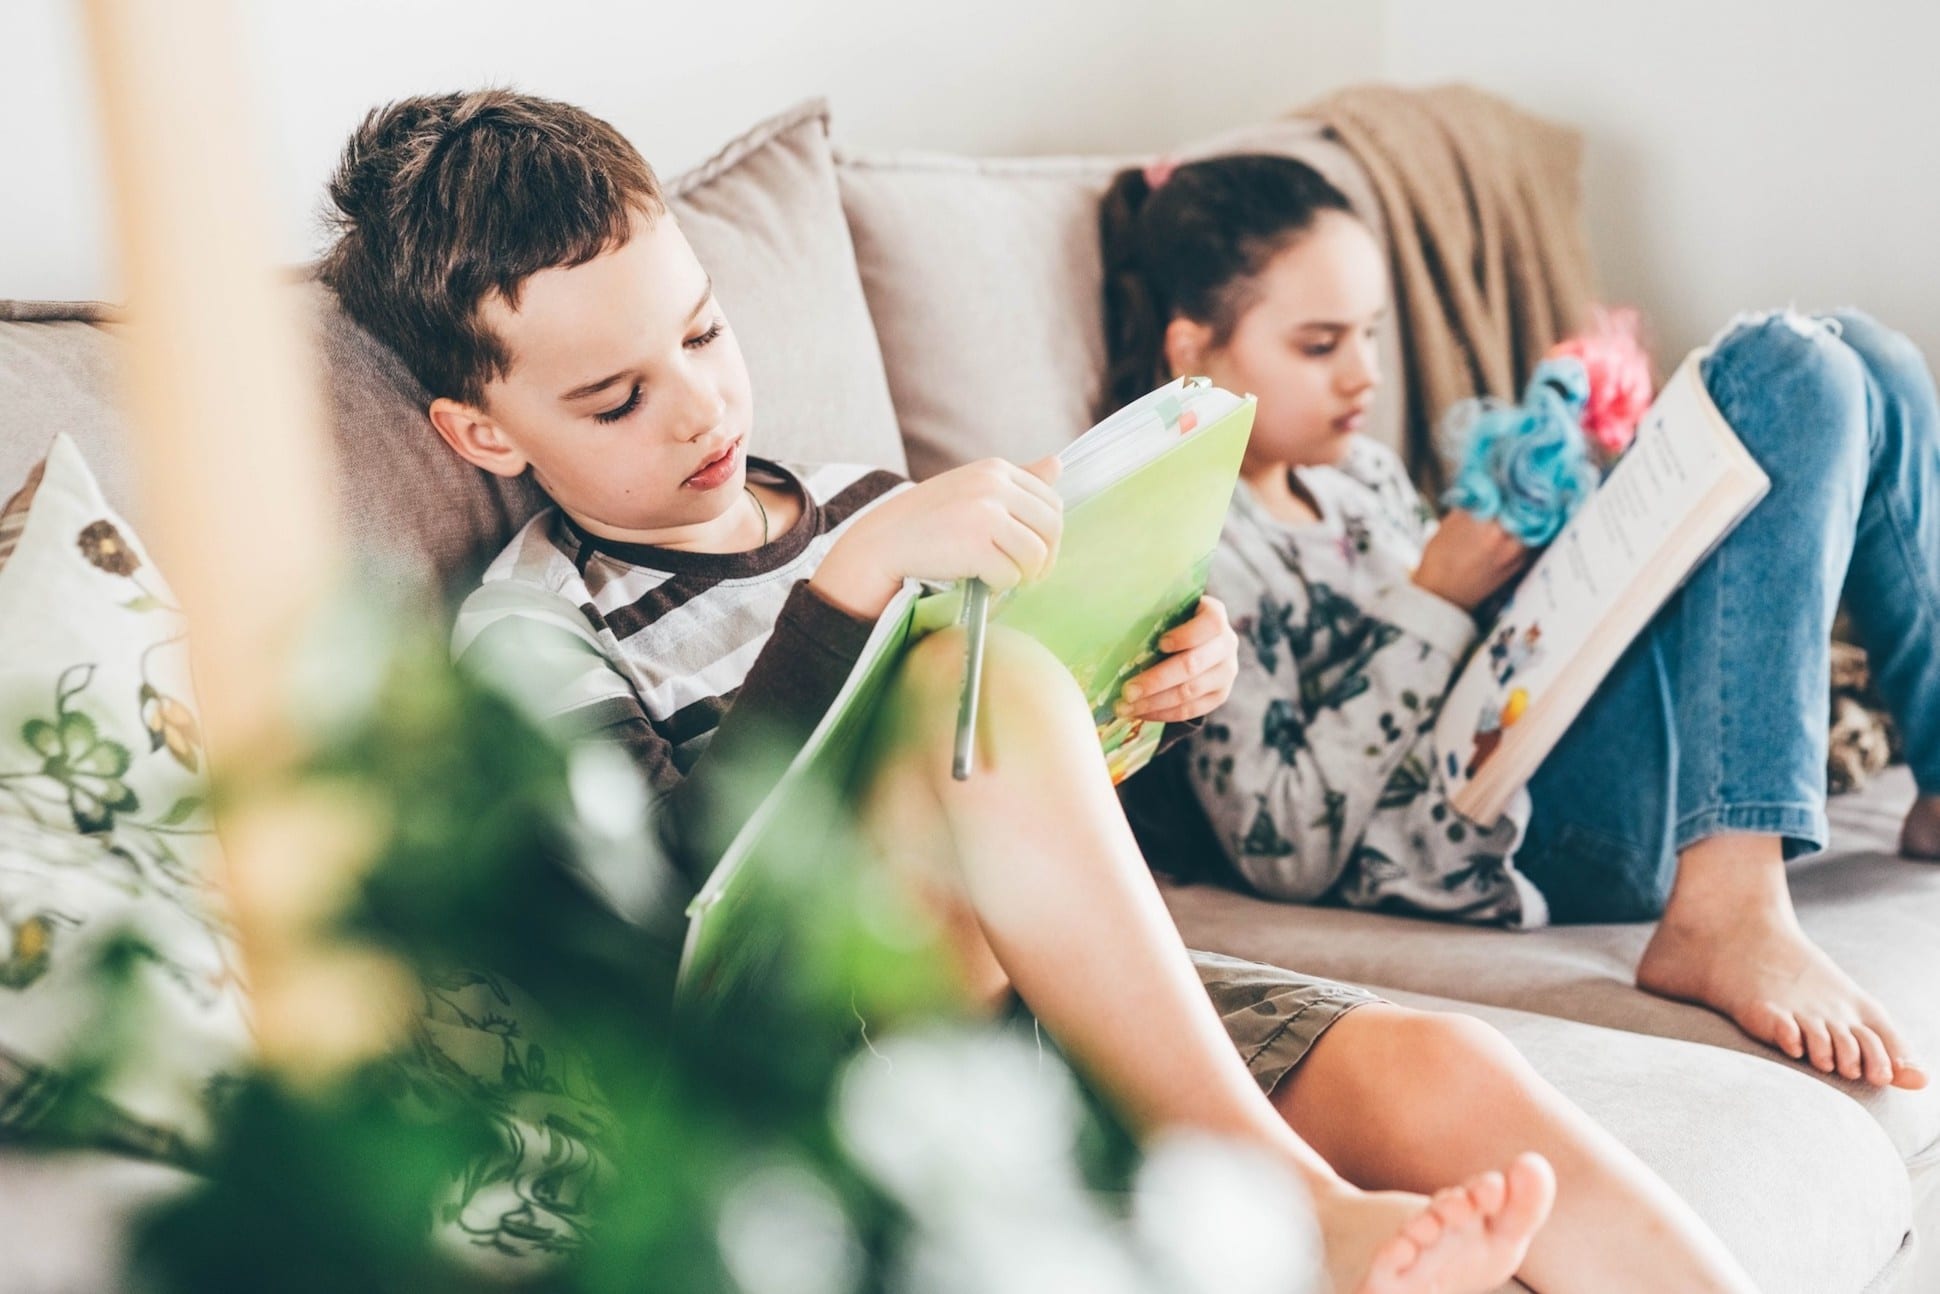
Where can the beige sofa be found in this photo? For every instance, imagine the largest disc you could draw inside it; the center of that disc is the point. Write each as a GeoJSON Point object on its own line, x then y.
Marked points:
{"type": "Point", "coordinates": [918, 311]}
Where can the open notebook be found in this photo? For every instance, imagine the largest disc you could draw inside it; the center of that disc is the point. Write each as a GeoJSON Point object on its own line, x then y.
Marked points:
{"type": "Point", "coordinates": [1145, 494]}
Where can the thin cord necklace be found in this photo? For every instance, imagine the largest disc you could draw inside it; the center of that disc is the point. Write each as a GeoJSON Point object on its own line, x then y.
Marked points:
{"type": "Point", "coordinates": [756, 500]}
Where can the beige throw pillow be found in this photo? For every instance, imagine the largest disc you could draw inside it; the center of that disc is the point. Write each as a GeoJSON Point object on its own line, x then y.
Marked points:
{"type": "Point", "coordinates": [985, 281]}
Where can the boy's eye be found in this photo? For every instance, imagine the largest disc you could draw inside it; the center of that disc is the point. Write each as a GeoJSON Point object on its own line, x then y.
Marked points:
{"type": "Point", "coordinates": [713, 330]}
{"type": "Point", "coordinates": [631, 403]}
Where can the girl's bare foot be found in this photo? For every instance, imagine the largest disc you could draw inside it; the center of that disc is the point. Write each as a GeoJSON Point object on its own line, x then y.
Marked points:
{"type": "Point", "coordinates": [1920, 836]}
{"type": "Point", "coordinates": [1756, 967]}
{"type": "Point", "coordinates": [1468, 1239]}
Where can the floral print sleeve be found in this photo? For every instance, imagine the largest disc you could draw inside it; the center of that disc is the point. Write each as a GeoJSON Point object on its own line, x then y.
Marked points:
{"type": "Point", "coordinates": [1326, 722]}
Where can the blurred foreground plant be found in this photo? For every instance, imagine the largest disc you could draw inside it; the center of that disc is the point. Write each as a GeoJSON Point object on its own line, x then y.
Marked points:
{"type": "Point", "coordinates": [555, 1122]}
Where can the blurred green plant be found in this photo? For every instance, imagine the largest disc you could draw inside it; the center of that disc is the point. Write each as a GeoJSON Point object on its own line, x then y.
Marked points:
{"type": "Point", "coordinates": [555, 1122]}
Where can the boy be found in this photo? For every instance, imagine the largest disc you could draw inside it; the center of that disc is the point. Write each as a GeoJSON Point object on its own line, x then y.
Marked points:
{"type": "Point", "coordinates": [689, 602]}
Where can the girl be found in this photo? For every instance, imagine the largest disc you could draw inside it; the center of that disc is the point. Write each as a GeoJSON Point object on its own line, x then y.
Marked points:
{"type": "Point", "coordinates": [1353, 607]}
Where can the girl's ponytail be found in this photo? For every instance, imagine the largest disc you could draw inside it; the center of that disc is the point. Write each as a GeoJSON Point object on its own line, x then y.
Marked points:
{"type": "Point", "coordinates": [1135, 319]}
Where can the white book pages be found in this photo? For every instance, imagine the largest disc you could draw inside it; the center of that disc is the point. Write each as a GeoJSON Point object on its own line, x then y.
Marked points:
{"type": "Point", "coordinates": [1138, 433]}
{"type": "Point", "coordinates": [1684, 483]}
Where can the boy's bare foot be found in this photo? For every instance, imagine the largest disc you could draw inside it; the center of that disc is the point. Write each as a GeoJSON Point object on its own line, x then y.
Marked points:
{"type": "Point", "coordinates": [1920, 836]}
{"type": "Point", "coordinates": [1468, 1239]}
{"type": "Point", "coordinates": [1757, 967]}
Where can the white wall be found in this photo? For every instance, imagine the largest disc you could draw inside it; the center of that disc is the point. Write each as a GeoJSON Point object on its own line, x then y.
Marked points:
{"type": "Point", "coordinates": [1740, 152]}
{"type": "Point", "coordinates": [1002, 76]}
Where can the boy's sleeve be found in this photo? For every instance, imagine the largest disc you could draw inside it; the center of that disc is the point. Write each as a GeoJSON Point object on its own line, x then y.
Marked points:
{"type": "Point", "coordinates": [539, 648]}
{"type": "Point", "coordinates": [1292, 768]}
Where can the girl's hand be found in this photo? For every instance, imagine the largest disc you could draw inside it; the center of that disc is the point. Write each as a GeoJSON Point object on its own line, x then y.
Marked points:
{"type": "Point", "coordinates": [989, 520]}
{"type": "Point", "coordinates": [1195, 678]}
{"type": "Point", "coordinates": [1468, 559]}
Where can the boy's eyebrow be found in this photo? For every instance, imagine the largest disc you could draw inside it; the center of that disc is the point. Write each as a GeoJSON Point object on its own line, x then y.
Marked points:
{"type": "Point", "coordinates": [595, 387]}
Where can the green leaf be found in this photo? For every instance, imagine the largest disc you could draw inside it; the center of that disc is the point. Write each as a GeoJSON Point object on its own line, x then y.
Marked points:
{"type": "Point", "coordinates": [142, 603]}
{"type": "Point", "coordinates": [181, 811]}
{"type": "Point", "coordinates": [42, 737]}
{"type": "Point", "coordinates": [103, 759]}
{"type": "Point", "coordinates": [77, 732]}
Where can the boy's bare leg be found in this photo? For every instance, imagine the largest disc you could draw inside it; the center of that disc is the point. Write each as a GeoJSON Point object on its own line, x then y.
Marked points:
{"type": "Point", "coordinates": [1389, 1097]}
{"type": "Point", "coordinates": [1730, 940]}
{"type": "Point", "coordinates": [1920, 834]}
{"type": "Point", "coordinates": [1036, 847]}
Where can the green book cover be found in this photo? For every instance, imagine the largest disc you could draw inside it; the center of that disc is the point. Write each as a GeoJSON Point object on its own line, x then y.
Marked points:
{"type": "Point", "coordinates": [1146, 494]}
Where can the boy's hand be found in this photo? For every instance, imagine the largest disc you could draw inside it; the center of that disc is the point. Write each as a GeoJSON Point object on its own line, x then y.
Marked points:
{"type": "Point", "coordinates": [989, 520]}
{"type": "Point", "coordinates": [1468, 559]}
{"type": "Point", "coordinates": [1197, 675]}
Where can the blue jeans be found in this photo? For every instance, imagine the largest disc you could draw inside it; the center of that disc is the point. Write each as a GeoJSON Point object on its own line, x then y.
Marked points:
{"type": "Point", "coordinates": [1715, 719]}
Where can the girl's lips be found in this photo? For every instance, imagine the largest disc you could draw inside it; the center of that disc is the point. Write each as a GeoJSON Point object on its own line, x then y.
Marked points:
{"type": "Point", "coordinates": [716, 472]}
{"type": "Point", "coordinates": [1351, 421]}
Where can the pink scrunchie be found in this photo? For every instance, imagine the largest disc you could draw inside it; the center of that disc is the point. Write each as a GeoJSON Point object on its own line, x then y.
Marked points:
{"type": "Point", "coordinates": [1159, 171]}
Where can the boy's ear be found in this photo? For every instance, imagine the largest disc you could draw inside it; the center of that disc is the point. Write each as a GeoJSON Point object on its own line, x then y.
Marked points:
{"type": "Point", "coordinates": [1186, 344]}
{"type": "Point", "coordinates": [474, 437]}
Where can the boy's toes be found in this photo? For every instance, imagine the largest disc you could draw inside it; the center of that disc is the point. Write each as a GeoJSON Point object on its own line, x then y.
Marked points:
{"type": "Point", "coordinates": [1488, 1192]}
{"type": "Point", "coordinates": [1531, 1195]}
{"type": "Point", "coordinates": [1426, 1227]}
{"type": "Point", "coordinates": [1393, 1261]}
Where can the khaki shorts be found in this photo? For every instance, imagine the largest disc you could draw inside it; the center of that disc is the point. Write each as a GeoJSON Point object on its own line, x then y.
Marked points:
{"type": "Point", "coordinates": [1273, 1016]}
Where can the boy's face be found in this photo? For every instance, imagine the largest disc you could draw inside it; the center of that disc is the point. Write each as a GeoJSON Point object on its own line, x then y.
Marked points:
{"type": "Point", "coordinates": [626, 394]}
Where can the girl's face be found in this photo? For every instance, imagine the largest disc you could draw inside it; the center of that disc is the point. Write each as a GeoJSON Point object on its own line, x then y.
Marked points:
{"type": "Point", "coordinates": [1304, 346]}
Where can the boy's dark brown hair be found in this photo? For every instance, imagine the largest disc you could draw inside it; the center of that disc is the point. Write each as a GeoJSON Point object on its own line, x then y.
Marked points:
{"type": "Point", "coordinates": [443, 200]}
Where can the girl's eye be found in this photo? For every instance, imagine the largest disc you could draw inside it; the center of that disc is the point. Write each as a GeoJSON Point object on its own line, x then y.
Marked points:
{"type": "Point", "coordinates": [713, 330]}
{"type": "Point", "coordinates": [1318, 350]}
{"type": "Point", "coordinates": [615, 414]}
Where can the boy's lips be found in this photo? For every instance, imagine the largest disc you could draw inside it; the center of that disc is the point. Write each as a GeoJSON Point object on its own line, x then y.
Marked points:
{"type": "Point", "coordinates": [716, 471]}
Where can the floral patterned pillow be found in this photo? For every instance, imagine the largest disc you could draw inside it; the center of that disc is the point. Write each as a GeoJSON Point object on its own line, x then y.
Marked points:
{"type": "Point", "coordinates": [105, 844]}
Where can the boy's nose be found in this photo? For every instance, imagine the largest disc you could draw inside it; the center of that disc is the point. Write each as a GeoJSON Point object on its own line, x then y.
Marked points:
{"type": "Point", "coordinates": [702, 410]}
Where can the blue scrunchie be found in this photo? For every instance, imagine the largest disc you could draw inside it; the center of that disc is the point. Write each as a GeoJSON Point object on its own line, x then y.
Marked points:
{"type": "Point", "coordinates": [1528, 465]}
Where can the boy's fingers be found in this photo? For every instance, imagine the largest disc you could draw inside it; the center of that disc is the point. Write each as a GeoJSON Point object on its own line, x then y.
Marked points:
{"type": "Point", "coordinates": [1023, 547]}
{"type": "Point", "coordinates": [1046, 518]}
{"type": "Point", "coordinates": [1046, 469]}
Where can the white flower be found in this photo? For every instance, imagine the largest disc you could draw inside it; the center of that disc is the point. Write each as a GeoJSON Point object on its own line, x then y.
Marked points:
{"type": "Point", "coordinates": [781, 1230]}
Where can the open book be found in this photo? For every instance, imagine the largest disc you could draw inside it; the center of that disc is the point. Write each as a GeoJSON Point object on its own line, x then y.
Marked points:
{"type": "Point", "coordinates": [1685, 482]}
{"type": "Point", "coordinates": [1145, 496]}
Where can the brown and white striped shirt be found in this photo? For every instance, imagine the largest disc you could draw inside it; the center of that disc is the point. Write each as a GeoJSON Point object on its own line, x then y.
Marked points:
{"type": "Point", "coordinates": [700, 664]}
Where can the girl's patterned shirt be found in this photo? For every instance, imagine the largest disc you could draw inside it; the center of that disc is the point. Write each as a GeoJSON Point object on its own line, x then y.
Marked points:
{"type": "Point", "coordinates": [1319, 774]}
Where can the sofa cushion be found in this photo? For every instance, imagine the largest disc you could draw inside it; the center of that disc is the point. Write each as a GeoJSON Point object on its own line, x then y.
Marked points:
{"type": "Point", "coordinates": [1875, 913]}
{"type": "Point", "coordinates": [985, 281]}
{"type": "Point", "coordinates": [103, 832]}
{"type": "Point", "coordinates": [1799, 1184]}
{"type": "Point", "coordinates": [764, 216]}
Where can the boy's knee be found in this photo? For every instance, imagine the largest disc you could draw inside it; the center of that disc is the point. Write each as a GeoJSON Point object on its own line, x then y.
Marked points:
{"type": "Point", "coordinates": [1014, 664]}
{"type": "Point", "coordinates": [1024, 686]}
{"type": "Point", "coordinates": [1470, 1060]}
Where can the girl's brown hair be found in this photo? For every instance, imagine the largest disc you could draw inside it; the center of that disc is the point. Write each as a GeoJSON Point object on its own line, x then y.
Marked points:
{"type": "Point", "coordinates": [1193, 247]}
